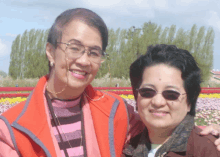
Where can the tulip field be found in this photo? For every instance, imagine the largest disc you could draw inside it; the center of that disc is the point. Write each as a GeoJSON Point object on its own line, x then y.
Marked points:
{"type": "Point", "coordinates": [207, 107]}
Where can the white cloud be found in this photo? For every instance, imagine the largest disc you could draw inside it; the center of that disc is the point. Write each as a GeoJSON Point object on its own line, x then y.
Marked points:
{"type": "Point", "coordinates": [190, 1]}
{"type": "Point", "coordinates": [161, 4]}
{"type": "Point", "coordinates": [214, 19]}
{"type": "Point", "coordinates": [3, 48]}
{"type": "Point", "coordinates": [120, 8]}
{"type": "Point", "coordinates": [103, 3]}
{"type": "Point", "coordinates": [11, 35]}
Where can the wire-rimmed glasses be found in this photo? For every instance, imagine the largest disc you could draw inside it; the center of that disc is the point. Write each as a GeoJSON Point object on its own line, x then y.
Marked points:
{"type": "Point", "coordinates": [74, 51]}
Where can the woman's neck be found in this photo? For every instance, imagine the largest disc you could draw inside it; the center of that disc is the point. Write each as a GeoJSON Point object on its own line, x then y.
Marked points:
{"type": "Point", "coordinates": [158, 135]}
{"type": "Point", "coordinates": [62, 91]}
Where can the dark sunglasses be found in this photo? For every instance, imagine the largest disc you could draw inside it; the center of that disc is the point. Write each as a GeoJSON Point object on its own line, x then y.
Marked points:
{"type": "Point", "coordinates": [167, 94]}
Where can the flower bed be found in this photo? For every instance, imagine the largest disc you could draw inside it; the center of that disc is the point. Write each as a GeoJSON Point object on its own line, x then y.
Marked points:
{"type": "Point", "coordinates": [207, 107]}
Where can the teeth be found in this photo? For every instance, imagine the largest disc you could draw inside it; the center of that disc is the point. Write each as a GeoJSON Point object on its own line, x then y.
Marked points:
{"type": "Point", "coordinates": [79, 72]}
{"type": "Point", "coordinates": [159, 112]}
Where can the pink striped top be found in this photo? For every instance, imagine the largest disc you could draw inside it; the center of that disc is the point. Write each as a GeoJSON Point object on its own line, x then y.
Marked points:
{"type": "Point", "coordinates": [69, 116]}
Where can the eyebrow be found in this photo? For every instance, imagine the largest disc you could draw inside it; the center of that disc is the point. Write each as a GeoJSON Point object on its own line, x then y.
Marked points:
{"type": "Point", "coordinates": [173, 87]}
{"type": "Point", "coordinates": [74, 40]}
{"type": "Point", "coordinates": [79, 42]}
{"type": "Point", "coordinates": [144, 85]}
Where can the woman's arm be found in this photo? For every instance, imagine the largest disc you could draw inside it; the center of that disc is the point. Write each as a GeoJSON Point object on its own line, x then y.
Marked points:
{"type": "Point", "coordinates": [203, 146]}
{"type": "Point", "coordinates": [213, 129]}
{"type": "Point", "coordinates": [6, 145]}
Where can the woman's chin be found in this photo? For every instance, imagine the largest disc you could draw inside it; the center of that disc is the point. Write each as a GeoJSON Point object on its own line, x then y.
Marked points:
{"type": "Point", "coordinates": [157, 124]}
{"type": "Point", "coordinates": [77, 85]}
{"type": "Point", "coordinates": [79, 81]}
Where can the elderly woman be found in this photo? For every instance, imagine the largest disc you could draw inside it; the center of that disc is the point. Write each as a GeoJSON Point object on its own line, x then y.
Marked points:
{"type": "Point", "coordinates": [64, 115]}
{"type": "Point", "coordinates": [166, 84]}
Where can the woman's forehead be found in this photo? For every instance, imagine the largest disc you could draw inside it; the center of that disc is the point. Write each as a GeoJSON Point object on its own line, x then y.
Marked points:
{"type": "Point", "coordinates": [83, 33]}
{"type": "Point", "coordinates": [162, 74]}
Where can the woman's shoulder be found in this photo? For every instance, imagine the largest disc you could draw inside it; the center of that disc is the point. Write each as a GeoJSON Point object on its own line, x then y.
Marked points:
{"type": "Point", "coordinates": [196, 133]}
{"type": "Point", "coordinates": [202, 145]}
{"type": "Point", "coordinates": [130, 146]}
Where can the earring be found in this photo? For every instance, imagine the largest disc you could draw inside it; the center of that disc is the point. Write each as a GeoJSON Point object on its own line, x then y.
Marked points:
{"type": "Point", "coordinates": [51, 64]}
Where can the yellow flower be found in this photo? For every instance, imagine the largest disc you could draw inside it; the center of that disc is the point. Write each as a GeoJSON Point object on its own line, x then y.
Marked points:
{"type": "Point", "coordinates": [16, 100]}
{"type": "Point", "coordinates": [214, 95]}
{"type": "Point", "coordinates": [12, 100]}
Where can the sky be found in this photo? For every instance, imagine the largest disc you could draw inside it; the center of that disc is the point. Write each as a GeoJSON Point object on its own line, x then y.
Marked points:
{"type": "Point", "coordinates": [16, 16]}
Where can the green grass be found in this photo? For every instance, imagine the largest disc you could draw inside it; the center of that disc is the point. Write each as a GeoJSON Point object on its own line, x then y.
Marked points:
{"type": "Point", "coordinates": [105, 81]}
{"type": "Point", "coordinates": [9, 82]}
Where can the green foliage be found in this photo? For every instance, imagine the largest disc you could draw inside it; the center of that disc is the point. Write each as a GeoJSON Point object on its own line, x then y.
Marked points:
{"type": "Point", "coordinates": [28, 57]}
{"type": "Point", "coordinates": [127, 45]}
{"type": "Point", "coordinates": [14, 62]}
{"type": "Point", "coordinates": [3, 74]}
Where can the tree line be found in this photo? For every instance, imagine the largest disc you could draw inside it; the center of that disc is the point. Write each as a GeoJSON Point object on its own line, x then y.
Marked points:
{"type": "Point", "coordinates": [28, 58]}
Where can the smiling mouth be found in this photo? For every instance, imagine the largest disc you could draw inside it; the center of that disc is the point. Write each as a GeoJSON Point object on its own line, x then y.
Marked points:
{"type": "Point", "coordinates": [79, 72]}
{"type": "Point", "coordinates": [159, 113]}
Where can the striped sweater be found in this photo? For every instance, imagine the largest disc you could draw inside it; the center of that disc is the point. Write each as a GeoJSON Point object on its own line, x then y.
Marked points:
{"type": "Point", "coordinates": [69, 117]}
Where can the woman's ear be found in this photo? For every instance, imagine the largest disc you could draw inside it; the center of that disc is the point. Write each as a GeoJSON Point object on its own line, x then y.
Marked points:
{"type": "Point", "coordinates": [50, 52]}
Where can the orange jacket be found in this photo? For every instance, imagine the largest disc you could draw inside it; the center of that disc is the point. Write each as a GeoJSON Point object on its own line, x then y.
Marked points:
{"type": "Point", "coordinates": [31, 136]}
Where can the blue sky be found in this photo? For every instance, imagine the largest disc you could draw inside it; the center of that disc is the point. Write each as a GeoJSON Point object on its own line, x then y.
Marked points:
{"type": "Point", "coordinates": [19, 15]}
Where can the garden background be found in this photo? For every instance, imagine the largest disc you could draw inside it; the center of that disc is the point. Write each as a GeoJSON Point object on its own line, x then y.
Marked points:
{"type": "Point", "coordinates": [28, 61]}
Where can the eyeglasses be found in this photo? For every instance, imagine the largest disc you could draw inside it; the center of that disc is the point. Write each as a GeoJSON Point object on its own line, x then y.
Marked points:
{"type": "Point", "coordinates": [167, 94]}
{"type": "Point", "coordinates": [75, 51]}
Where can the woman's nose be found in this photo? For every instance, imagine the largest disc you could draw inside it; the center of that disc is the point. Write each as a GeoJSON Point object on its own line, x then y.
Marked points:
{"type": "Point", "coordinates": [158, 100]}
{"type": "Point", "coordinates": [83, 60]}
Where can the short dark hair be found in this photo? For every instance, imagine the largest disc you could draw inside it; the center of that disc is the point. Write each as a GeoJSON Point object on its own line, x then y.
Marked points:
{"type": "Point", "coordinates": [175, 57]}
{"type": "Point", "coordinates": [85, 15]}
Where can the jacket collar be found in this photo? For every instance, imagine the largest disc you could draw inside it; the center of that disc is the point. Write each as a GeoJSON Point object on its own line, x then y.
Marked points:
{"type": "Point", "coordinates": [103, 98]}
{"type": "Point", "coordinates": [33, 121]}
{"type": "Point", "coordinates": [33, 113]}
{"type": "Point", "coordinates": [140, 145]}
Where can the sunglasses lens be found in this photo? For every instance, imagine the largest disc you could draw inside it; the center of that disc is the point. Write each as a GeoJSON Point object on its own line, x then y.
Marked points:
{"type": "Point", "coordinates": [147, 92]}
{"type": "Point", "coordinates": [171, 95]}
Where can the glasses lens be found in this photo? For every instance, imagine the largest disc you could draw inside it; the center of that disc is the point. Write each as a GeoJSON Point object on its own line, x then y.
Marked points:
{"type": "Point", "coordinates": [98, 56]}
{"type": "Point", "coordinates": [171, 95]}
{"type": "Point", "coordinates": [95, 55]}
{"type": "Point", "coordinates": [74, 50]}
{"type": "Point", "coordinates": [147, 92]}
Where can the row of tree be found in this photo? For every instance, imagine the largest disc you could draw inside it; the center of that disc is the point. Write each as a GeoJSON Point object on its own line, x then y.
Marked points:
{"type": "Point", "coordinates": [127, 45]}
{"type": "Point", "coordinates": [28, 58]}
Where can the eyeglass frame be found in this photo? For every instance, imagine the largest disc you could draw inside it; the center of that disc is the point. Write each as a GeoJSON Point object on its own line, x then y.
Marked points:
{"type": "Point", "coordinates": [88, 53]}
{"type": "Point", "coordinates": [160, 93]}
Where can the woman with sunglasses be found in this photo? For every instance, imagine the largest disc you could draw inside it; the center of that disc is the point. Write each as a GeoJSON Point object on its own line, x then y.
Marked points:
{"type": "Point", "coordinates": [166, 85]}
{"type": "Point", "coordinates": [65, 115]}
